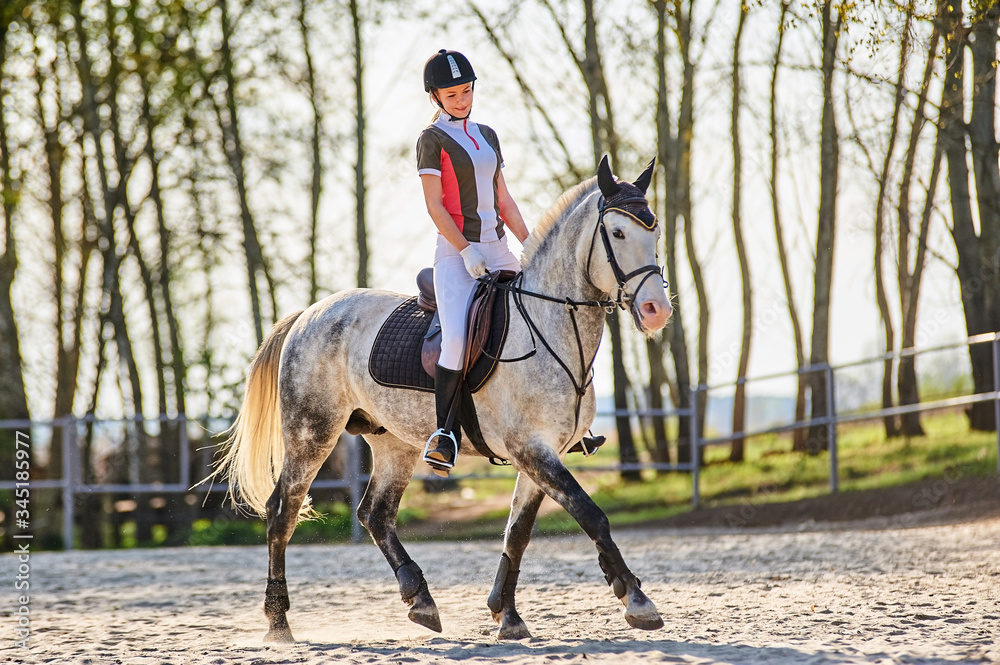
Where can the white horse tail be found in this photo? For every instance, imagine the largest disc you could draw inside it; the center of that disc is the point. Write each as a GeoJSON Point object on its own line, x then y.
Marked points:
{"type": "Point", "coordinates": [255, 449]}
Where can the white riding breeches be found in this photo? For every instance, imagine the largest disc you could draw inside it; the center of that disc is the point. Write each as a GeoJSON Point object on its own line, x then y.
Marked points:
{"type": "Point", "coordinates": [453, 288]}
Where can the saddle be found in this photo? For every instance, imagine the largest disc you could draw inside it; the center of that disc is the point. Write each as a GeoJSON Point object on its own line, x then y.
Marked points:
{"type": "Point", "coordinates": [479, 323]}
{"type": "Point", "coordinates": [408, 345]}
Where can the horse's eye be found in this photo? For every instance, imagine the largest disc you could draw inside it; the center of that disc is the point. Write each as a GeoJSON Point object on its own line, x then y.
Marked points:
{"type": "Point", "coordinates": [618, 233]}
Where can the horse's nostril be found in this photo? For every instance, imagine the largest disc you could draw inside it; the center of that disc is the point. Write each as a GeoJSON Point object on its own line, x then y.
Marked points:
{"type": "Point", "coordinates": [652, 310]}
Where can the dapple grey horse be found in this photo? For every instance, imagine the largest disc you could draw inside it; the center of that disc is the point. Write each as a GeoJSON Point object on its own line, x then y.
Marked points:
{"type": "Point", "coordinates": [309, 381]}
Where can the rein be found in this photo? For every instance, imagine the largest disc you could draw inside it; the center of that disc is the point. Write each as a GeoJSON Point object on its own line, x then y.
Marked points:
{"type": "Point", "coordinates": [517, 292]}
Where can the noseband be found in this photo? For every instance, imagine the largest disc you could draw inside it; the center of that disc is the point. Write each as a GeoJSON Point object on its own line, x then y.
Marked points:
{"type": "Point", "coordinates": [619, 203]}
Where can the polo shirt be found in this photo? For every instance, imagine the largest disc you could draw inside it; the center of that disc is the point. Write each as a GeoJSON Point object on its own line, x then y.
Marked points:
{"type": "Point", "coordinates": [466, 156]}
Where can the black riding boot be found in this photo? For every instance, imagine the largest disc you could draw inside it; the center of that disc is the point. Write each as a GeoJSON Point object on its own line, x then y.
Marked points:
{"type": "Point", "coordinates": [441, 450]}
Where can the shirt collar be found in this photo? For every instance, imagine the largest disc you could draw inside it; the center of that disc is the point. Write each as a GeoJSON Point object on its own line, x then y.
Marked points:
{"type": "Point", "coordinates": [445, 117]}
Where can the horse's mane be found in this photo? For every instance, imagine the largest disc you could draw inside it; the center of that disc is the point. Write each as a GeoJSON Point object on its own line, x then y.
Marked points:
{"type": "Point", "coordinates": [553, 215]}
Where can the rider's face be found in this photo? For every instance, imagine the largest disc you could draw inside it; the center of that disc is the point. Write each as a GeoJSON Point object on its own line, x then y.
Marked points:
{"type": "Point", "coordinates": [456, 100]}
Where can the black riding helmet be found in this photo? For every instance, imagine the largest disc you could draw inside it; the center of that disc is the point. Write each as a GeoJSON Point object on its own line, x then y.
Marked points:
{"type": "Point", "coordinates": [445, 69]}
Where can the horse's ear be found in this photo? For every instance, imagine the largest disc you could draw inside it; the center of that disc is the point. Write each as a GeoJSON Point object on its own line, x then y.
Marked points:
{"type": "Point", "coordinates": [605, 180]}
{"type": "Point", "coordinates": [642, 182]}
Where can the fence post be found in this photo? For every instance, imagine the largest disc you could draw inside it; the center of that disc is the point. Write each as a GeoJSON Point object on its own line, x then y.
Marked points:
{"type": "Point", "coordinates": [354, 478]}
{"type": "Point", "coordinates": [695, 448]}
{"type": "Point", "coordinates": [69, 480]}
{"type": "Point", "coordinates": [831, 428]}
{"type": "Point", "coordinates": [185, 450]}
{"type": "Point", "coordinates": [996, 393]}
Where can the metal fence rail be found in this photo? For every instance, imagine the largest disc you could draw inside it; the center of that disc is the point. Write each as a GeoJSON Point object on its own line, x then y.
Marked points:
{"type": "Point", "coordinates": [832, 419]}
{"type": "Point", "coordinates": [355, 480]}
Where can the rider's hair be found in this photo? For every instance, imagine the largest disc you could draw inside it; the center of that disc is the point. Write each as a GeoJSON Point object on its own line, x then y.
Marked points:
{"type": "Point", "coordinates": [434, 100]}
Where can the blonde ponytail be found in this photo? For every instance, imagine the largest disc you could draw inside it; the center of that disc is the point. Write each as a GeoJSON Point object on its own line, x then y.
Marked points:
{"type": "Point", "coordinates": [437, 104]}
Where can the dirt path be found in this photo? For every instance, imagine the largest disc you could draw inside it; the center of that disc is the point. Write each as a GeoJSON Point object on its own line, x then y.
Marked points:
{"type": "Point", "coordinates": [921, 595]}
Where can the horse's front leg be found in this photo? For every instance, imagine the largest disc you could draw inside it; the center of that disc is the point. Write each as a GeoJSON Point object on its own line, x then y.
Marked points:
{"type": "Point", "coordinates": [523, 510]}
{"type": "Point", "coordinates": [392, 469]}
{"type": "Point", "coordinates": [539, 462]}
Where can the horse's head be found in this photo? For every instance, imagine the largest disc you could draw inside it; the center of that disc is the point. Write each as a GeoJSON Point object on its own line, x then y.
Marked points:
{"type": "Point", "coordinates": [629, 234]}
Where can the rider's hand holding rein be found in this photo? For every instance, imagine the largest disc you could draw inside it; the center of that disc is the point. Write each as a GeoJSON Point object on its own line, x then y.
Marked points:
{"type": "Point", "coordinates": [475, 262]}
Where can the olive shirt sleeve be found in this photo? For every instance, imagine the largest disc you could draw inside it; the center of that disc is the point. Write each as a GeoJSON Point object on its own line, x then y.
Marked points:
{"type": "Point", "coordinates": [428, 153]}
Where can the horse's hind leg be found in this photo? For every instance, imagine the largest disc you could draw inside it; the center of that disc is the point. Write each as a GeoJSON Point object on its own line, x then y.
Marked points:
{"type": "Point", "coordinates": [304, 455]}
{"type": "Point", "coordinates": [543, 466]}
{"type": "Point", "coordinates": [523, 510]}
{"type": "Point", "coordinates": [392, 469]}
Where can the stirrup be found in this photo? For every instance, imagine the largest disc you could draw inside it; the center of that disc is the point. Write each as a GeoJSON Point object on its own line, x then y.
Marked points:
{"type": "Point", "coordinates": [440, 467]}
{"type": "Point", "coordinates": [588, 445]}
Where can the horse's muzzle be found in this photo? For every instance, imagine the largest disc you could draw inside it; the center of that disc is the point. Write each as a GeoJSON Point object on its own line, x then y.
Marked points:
{"type": "Point", "coordinates": [651, 315]}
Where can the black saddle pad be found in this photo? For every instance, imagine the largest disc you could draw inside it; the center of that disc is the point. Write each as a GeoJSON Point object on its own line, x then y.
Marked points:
{"type": "Point", "coordinates": [395, 356]}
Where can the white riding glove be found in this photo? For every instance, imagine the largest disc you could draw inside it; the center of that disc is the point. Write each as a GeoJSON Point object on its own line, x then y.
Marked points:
{"type": "Point", "coordinates": [475, 262]}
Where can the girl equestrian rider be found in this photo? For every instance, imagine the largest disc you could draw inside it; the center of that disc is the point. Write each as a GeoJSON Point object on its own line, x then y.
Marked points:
{"type": "Point", "coordinates": [459, 163]}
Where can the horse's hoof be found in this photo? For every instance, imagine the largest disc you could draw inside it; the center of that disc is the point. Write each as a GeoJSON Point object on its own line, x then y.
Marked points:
{"type": "Point", "coordinates": [641, 613]}
{"type": "Point", "coordinates": [511, 627]}
{"type": "Point", "coordinates": [426, 614]}
{"type": "Point", "coordinates": [653, 622]}
{"type": "Point", "coordinates": [279, 636]}
{"type": "Point", "coordinates": [517, 631]}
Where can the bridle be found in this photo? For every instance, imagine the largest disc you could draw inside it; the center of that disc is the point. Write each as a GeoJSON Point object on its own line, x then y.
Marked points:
{"type": "Point", "coordinates": [619, 202]}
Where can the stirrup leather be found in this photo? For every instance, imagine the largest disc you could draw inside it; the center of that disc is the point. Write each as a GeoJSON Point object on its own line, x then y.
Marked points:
{"type": "Point", "coordinates": [433, 461]}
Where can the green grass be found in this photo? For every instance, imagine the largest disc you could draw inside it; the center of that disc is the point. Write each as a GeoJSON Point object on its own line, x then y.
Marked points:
{"type": "Point", "coordinates": [771, 472]}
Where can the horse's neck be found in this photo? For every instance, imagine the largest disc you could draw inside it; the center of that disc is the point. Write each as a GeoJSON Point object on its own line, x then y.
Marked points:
{"type": "Point", "coordinates": [557, 270]}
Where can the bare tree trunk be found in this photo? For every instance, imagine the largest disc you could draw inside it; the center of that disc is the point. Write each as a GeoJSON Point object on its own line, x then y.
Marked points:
{"type": "Point", "coordinates": [736, 452]}
{"type": "Point", "coordinates": [659, 447]}
{"type": "Point", "coordinates": [985, 153]}
{"type": "Point", "coordinates": [907, 385]}
{"type": "Point", "coordinates": [685, 134]}
{"type": "Point", "coordinates": [93, 517]}
{"type": "Point", "coordinates": [359, 165]}
{"type": "Point", "coordinates": [603, 135]}
{"type": "Point", "coordinates": [316, 189]}
{"type": "Point", "coordinates": [67, 322]}
{"type": "Point", "coordinates": [67, 341]}
{"type": "Point", "coordinates": [113, 197]}
{"type": "Point", "coordinates": [235, 154]}
{"type": "Point", "coordinates": [909, 282]}
{"type": "Point", "coordinates": [889, 339]}
{"type": "Point", "coordinates": [13, 401]}
{"type": "Point", "coordinates": [975, 270]}
{"type": "Point", "coordinates": [668, 162]}
{"type": "Point", "coordinates": [825, 233]}
{"type": "Point", "coordinates": [983, 142]}
{"type": "Point", "coordinates": [163, 278]}
{"type": "Point", "coordinates": [799, 435]}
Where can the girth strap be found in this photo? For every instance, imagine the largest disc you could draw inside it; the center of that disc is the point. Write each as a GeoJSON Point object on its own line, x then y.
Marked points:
{"type": "Point", "coordinates": [470, 423]}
